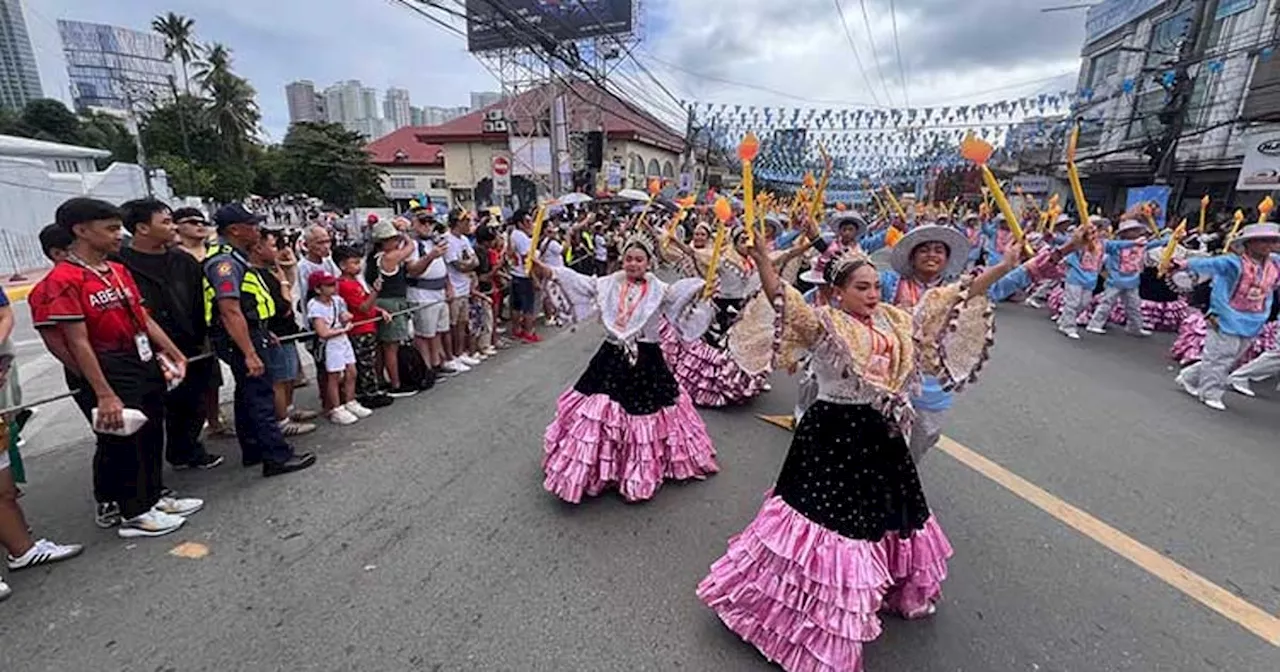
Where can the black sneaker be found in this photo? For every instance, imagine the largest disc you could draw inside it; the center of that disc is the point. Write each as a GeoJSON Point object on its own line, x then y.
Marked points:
{"type": "Point", "coordinates": [205, 461]}
{"type": "Point", "coordinates": [380, 401]}
{"type": "Point", "coordinates": [107, 515]}
{"type": "Point", "coordinates": [402, 391]}
{"type": "Point", "coordinates": [296, 463]}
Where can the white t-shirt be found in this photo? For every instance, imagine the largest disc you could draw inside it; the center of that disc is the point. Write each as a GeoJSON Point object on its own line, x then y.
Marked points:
{"type": "Point", "coordinates": [436, 270]}
{"type": "Point", "coordinates": [329, 314]}
{"type": "Point", "coordinates": [520, 244]}
{"type": "Point", "coordinates": [553, 254]}
{"type": "Point", "coordinates": [602, 248]}
{"type": "Point", "coordinates": [459, 250]}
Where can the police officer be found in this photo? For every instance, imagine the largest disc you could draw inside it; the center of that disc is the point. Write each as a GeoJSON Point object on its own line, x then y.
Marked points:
{"type": "Point", "coordinates": [237, 306]}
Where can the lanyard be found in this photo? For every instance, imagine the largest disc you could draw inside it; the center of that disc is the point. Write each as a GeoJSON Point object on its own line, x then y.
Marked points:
{"type": "Point", "coordinates": [111, 280]}
{"type": "Point", "coordinates": [625, 309]}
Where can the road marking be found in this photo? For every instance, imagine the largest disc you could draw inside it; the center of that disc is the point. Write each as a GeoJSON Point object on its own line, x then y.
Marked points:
{"type": "Point", "coordinates": [1191, 584]}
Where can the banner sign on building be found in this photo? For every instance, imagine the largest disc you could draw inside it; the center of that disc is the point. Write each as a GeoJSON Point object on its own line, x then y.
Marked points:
{"type": "Point", "coordinates": [1261, 168]}
{"type": "Point", "coordinates": [508, 24]}
{"type": "Point", "coordinates": [1109, 16]}
{"type": "Point", "coordinates": [613, 176]}
{"type": "Point", "coordinates": [1156, 193]}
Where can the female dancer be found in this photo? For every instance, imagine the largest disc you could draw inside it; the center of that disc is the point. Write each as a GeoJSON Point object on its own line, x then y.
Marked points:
{"type": "Point", "coordinates": [846, 530]}
{"type": "Point", "coordinates": [626, 423]}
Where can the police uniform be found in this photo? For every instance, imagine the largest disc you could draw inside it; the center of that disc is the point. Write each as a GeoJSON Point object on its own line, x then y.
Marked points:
{"type": "Point", "coordinates": [228, 275]}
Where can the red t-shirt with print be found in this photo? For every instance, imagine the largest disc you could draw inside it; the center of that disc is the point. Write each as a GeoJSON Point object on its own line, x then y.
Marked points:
{"type": "Point", "coordinates": [354, 294]}
{"type": "Point", "coordinates": [108, 302]}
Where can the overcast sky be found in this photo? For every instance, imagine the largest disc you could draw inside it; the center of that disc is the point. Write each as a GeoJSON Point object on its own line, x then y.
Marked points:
{"type": "Point", "coordinates": [952, 51]}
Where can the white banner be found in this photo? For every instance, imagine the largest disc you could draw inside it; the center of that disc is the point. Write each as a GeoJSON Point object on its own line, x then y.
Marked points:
{"type": "Point", "coordinates": [1261, 168]}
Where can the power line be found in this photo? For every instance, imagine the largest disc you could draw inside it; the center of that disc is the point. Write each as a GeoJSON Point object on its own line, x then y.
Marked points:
{"type": "Point", "coordinates": [866, 21]}
{"type": "Point", "coordinates": [848, 36]}
{"type": "Point", "coordinates": [902, 73]}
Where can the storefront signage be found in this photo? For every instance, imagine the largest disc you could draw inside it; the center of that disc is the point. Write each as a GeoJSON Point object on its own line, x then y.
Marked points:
{"type": "Point", "coordinates": [1261, 168]}
{"type": "Point", "coordinates": [1109, 16]}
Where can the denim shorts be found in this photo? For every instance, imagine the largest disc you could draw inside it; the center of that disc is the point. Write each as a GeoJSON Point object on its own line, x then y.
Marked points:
{"type": "Point", "coordinates": [282, 362]}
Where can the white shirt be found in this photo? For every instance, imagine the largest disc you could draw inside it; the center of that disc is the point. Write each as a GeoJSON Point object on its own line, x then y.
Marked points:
{"type": "Point", "coordinates": [435, 270]}
{"type": "Point", "coordinates": [602, 248]}
{"type": "Point", "coordinates": [553, 255]}
{"type": "Point", "coordinates": [459, 250]}
{"type": "Point", "coordinates": [520, 245]}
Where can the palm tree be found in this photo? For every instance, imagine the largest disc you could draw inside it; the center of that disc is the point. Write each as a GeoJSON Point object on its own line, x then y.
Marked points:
{"type": "Point", "coordinates": [216, 65]}
{"type": "Point", "coordinates": [179, 41]}
{"type": "Point", "coordinates": [232, 106]}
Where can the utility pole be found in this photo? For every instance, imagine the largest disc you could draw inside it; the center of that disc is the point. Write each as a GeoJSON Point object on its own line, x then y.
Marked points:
{"type": "Point", "coordinates": [1173, 115]}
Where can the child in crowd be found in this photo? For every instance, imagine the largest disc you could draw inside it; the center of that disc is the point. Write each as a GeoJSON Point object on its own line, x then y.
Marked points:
{"type": "Point", "coordinates": [331, 321]}
{"type": "Point", "coordinates": [362, 301]}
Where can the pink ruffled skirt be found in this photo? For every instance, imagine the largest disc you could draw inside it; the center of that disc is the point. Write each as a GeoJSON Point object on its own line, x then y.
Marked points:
{"type": "Point", "coordinates": [1189, 345]}
{"type": "Point", "coordinates": [624, 426]}
{"type": "Point", "coordinates": [808, 598]}
{"type": "Point", "coordinates": [1157, 315]}
{"type": "Point", "coordinates": [712, 377]}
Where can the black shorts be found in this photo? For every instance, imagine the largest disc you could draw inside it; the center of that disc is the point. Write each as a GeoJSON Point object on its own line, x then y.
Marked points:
{"type": "Point", "coordinates": [522, 299]}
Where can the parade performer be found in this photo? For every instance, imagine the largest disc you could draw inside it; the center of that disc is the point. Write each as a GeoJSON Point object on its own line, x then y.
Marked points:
{"type": "Point", "coordinates": [626, 423]}
{"type": "Point", "coordinates": [731, 363]}
{"type": "Point", "coordinates": [1124, 260]}
{"type": "Point", "coordinates": [846, 529]}
{"type": "Point", "coordinates": [971, 226]}
{"type": "Point", "coordinates": [1240, 302]}
{"type": "Point", "coordinates": [1083, 266]}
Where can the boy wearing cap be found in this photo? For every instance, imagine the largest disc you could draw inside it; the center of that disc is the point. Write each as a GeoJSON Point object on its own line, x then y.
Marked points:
{"type": "Point", "coordinates": [1244, 282]}
{"type": "Point", "coordinates": [1124, 261]}
{"type": "Point", "coordinates": [238, 305]}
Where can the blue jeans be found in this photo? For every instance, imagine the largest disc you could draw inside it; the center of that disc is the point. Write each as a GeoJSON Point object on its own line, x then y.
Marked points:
{"type": "Point", "coordinates": [256, 427]}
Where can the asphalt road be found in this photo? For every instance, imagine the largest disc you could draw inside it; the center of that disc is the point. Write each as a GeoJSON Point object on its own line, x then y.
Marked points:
{"type": "Point", "coordinates": [424, 541]}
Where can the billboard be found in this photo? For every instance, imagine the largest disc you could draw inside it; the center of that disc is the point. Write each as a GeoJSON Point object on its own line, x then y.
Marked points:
{"type": "Point", "coordinates": [1108, 16]}
{"type": "Point", "coordinates": [501, 24]}
{"type": "Point", "coordinates": [1260, 170]}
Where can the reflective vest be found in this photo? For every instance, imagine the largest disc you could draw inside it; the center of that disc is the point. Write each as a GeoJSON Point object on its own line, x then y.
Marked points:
{"type": "Point", "coordinates": [590, 246]}
{"type": "Point", "coordinates": [251, 286]}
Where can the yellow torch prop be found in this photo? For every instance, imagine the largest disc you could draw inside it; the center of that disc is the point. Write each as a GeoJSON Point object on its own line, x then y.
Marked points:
{"type": "Point", "coordinates": [537, 236]}
{"type": "Point", "coordinates": [724, 212]}
{"type": "Point", "coordinates": [897, 207]}
{"type": "Point", "coordinates": [1073, 176]}
{"type": "Point", "coordinates": [747, 152]}
{"type": "Point", "coordinates": [820, 196]}
{"type": "Point", "coordinates": [1204, 209]}
{"type": "Point", "coordinates": [1166, 258]}
{"type": "Point", "coordinates": [1235, 228]}
{"type": "Point", "coordinates": [979, 151]}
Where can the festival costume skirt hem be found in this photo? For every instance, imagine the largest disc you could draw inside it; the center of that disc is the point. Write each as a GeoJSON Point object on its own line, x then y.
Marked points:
{"type": "Point", "coordinates": [808, 597]}
{"type": "Point", "coordinates": [712, 377]}
{"type": "Point", "coordinates": [1156, 315]}
{"type": "Point", "coordinates": [595, 442]}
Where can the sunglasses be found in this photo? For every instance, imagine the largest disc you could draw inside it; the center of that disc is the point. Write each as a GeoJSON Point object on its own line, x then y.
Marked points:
{"type": "Point", "coordinates": [194, 222]}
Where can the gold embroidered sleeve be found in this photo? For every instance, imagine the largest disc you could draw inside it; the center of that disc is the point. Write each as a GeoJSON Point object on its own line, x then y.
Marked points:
{"type": "Point", "coordinates": [955, 333]}
{"type": "Point", "coordinates": [800, 328]}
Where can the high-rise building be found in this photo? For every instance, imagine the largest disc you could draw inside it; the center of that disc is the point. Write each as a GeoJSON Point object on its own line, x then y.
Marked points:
{"type": "Point", "coordinates": [19, 78]}
{"type": "Point", "coordinates": [304, 103]}
{"type": "Point", "coordinates": [369, 104]}
{"type": "Point", "coordinates": [113, 67]}
{"type": "Point", "coordinates": [416, 117]}
{"type": "Point", "coordinates": [342, 102]}
{"type": "Point", "coordinates": [483, 99]}
{"type": "Point", "coordinates": [396, 109]}
{"type": "Point", "coordinates": [434, 116]}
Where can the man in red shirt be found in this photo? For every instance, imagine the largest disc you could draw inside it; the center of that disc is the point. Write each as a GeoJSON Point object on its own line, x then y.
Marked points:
{"type": "Point", "coordinates": [90, 312]}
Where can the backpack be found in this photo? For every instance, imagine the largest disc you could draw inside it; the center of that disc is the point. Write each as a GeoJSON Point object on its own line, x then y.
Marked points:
{"type": "Point", "coordinates": [414, 373]}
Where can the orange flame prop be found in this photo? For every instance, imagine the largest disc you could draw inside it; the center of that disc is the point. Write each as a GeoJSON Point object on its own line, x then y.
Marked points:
{"type": "Point", "coordinates": [979, 151]}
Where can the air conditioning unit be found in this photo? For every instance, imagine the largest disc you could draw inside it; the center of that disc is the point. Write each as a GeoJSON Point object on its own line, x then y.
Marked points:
{"type": "Point", "coordinates": [487, 126]}
{"type": "Point", "coordinates": [494, 115]}
{"type": "Point", "coordinates": [499, 127]}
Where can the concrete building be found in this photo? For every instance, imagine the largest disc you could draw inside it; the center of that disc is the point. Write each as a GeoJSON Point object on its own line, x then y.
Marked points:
{"type": "Point", "coordinates": [1129, 50]}
{"type": "Point", "coordinates": [342, 102]}
{"type": "Point", "coordinates": [37, 176]}
{"type": "Point", "coordinates": [637, 146]}
{"type": "Point", "coordinates": [413, 169]}
{"type": "Point", "coordinates": [396, 108]}
{"type": "Point", "coordinates": [434, 116]}
{"type": "Point", "coordinates": [19, 77]}
{"type": "Point", "coordinates": [304, 103]}
{"type": "Point", "coordinates": [483, 99]}
{"type": "Point", "coordinates": [115, 68]}
{"type": "Point", "coordinates": [417, 117]}
{"type": "Point", "coordinates": [369, 103]}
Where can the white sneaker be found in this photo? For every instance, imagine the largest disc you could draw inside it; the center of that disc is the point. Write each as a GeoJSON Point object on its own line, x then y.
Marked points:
{"type": "Point", "coordinates": [490, 351]}
{"type": "Point", "coordinates": [181, 507]}
{"type": "Point", "coordinates": [1215, 404]}
{"type": "Point", "coordinates": [357, 409]}
{"type": "Point", "coordinates": [479, 355]}
{"type": "Point", "coordinates": [457, 366]}
{"type": "Point", "coordinates": [469, 360]}
{"type": "Point", "coordinates": [341, 416]}
{"type": "Point", "coordinates": [5, 591]}
{"type": "Point", "coordinates": [1034, 303]}
{"type": "Point", "coordinates": [150, 524]}
{"type": "Point", "coordinates": [1073, 335]}
{"type": "Point", "coordinates": [1186, 386]}
{"type": "Point", "coordinates": [1096, 330]}
{"type": "Point", "coordinates": [44, 552]}
{"type": "Point", "coordinates": [1144, 332]}
{"type": "Point", "coordinates": [1243, 387]}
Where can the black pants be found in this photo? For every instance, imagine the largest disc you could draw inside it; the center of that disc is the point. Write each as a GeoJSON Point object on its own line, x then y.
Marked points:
{"type": "Point", "coordinates": [185, 414]}
{"type": "Point", "coordinates": [256, 427]}
{"type": "Point", "coordinates": [127, 469]}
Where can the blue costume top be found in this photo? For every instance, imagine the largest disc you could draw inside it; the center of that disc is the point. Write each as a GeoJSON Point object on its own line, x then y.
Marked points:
{"type": "Point", "coordinates": [1230, 302]}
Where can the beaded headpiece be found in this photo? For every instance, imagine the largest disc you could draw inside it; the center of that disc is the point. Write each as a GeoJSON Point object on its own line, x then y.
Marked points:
{"type": "Point", "coordinates": [641, 241]}
{"type": "Point", "coordinates": [848, 259]}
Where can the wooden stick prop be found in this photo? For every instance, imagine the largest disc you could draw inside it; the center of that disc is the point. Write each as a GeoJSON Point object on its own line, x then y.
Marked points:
{"type": "Point", "coordinates": [747, 152]}
{"type": "Point", "coordinates": [1204, 209]}
{"type": "Point", "coordinates": [979, 152]}
{"type": "Point", "coordinates": [724, 212]}
{"type": "Point", "coordinates": [537, 236]}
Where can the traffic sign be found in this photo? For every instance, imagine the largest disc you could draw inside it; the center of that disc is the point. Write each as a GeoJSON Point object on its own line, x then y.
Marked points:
{"type": "Point", "coordinates": [501, 166]}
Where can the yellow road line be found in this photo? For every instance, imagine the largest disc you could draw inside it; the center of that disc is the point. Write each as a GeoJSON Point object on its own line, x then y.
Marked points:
{"type": "Point", "coordinates": [1191, 584]}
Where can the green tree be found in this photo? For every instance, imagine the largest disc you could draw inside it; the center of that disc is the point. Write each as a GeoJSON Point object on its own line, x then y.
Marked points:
{"type": "Point", "coordinates": [108, 132]}
{"type": "Point", "coordinates": [48, 119]}
{"type": "Point", "coordinates": [179, 42]}
{"type": "Point", "coordinates": [329, 162]}
{"type": "Point", "coordinates": [232, 107]}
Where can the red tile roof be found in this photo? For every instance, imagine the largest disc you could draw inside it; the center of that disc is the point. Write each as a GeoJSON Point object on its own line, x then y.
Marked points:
{"type": "Point", "coordinates": [402, 148]}
{"type": "Point", "coordinates": [620, 121]}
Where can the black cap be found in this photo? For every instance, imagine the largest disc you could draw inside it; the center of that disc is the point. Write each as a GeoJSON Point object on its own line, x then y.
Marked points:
{"type": "Point", "coordinates": [81, 209]}
{"type": "Point", "coordinates": [235, 214]}
{"type": "Point", "coordinates": [189, 213]}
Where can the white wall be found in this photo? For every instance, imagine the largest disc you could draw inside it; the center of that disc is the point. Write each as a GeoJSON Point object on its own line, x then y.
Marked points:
{"type": "Point", "coordinates": [31, 194]}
